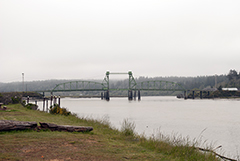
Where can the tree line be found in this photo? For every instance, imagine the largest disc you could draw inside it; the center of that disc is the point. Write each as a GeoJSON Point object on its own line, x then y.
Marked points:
{"type": "Point", "coordinates": [232, 79]}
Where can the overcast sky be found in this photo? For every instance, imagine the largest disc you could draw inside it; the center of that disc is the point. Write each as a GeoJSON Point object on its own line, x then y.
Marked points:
{"type": "Point", "coordinates": [82, 39]}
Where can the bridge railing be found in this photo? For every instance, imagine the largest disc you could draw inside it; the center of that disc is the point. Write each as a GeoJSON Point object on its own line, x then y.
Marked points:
{"type": "Point", "coordinates": [79, 86]}
{"type": "Point", "coordinates": [159, 85]}
{"type": "Point", "coordinates": [156, 85]}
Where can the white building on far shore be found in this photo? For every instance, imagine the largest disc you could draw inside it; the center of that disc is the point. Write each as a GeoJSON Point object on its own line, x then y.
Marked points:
{"type": "Point", "coordinates": [229, 89]}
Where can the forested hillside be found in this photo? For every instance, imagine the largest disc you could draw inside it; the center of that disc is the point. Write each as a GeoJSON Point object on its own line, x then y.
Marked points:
{"type": "Point", "coordinates": [232, 79]}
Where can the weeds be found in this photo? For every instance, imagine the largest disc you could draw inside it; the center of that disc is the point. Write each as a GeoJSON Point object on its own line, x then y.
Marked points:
{"type": "Point", "coordinates": [177, 146]}
{"type": "Point", "coordinates": [128, 128]}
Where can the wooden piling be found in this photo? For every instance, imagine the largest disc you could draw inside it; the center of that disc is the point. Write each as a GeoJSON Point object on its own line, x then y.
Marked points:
{"type": "Point", "coordinates": [44, 103]}
{"type": "Point", "coordinates": [51, 100]}
{"type": "Point", "coordinates": [201, 95]}
{"type": "Point", "coordinates": [54, 100]}
{"type": "Point", "coordinates": [59, 97]}
{"type": "Point", "coordinates": [27, 99]}
{"type": "Point", "coordinates": [185, 94]}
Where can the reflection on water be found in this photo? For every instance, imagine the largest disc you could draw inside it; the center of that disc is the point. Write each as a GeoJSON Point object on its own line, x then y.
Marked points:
{"type": "Point", "coordinates": [217, 121]}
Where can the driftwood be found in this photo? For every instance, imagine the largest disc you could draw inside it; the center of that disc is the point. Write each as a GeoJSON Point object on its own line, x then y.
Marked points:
{"type": "Point", "coordinates": [9, 125]}
{"type": "Point", "coordinates": [220, 156]}
{"type": "Point", "coordinates": [68, 128]}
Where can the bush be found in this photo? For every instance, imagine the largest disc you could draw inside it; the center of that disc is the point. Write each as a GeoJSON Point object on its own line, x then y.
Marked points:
{"type": "Point", "coordinates": [56, 109]}
{"type": "Point", "coordinates": [15, 100]}
{"type": "Point", "coordinates": [31, 106]}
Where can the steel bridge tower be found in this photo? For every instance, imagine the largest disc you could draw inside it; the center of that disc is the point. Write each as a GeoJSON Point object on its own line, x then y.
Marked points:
{"type": "Point", "coordinates": [131, 84]}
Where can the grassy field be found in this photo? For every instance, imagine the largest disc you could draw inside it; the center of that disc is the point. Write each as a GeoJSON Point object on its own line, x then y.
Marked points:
{"type": "Point", "coordinates": [103, 143]}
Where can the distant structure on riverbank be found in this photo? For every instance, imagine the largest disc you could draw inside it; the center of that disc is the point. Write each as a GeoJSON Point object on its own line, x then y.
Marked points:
{"type": "Point", "coordinates": [229, 89]}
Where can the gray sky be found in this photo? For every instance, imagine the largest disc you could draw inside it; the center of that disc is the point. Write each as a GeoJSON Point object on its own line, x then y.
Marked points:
{"type": "Point", "coordinates": [79, 39]}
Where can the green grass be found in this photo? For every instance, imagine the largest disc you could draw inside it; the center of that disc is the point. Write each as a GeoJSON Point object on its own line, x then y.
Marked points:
{"type": "Point", "coordinates": [103, 143]}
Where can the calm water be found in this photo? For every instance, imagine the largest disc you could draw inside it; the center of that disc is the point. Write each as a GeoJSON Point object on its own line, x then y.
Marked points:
{"type": "Point", "coordinates": [216, 121]}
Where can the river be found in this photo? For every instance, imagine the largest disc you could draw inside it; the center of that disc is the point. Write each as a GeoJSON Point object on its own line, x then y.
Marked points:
{"type": "Point", "coordinates": [215, 121]}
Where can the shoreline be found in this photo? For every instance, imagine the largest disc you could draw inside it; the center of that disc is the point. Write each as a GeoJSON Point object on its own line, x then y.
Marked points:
{"type": "Point", "coordinates": [103, 143]}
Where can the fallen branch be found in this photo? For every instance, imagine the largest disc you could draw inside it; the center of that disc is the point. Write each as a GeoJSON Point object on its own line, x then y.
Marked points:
{"type": "Point", "coordinates": [220, 156]}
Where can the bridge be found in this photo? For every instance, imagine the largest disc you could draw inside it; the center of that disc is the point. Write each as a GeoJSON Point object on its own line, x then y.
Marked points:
{"type": "Point", "coordinates": [133, 88]}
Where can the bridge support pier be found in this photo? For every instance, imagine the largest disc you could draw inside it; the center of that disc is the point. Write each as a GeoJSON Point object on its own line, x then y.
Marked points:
{"type": "Point", "coordinates": [135, 95]}
{"type": "Point", "coordinates": [107, 95]}
{"type": "Point", "coordinates": [130, 97]}
{"type": "Point", "coordinates": [139, 95]}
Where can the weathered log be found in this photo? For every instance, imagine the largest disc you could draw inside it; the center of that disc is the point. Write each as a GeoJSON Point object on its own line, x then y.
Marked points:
{"type": "Point", "coordinates": [68, 128]}
{"type": "Point", "coordinates": [9, 125]}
